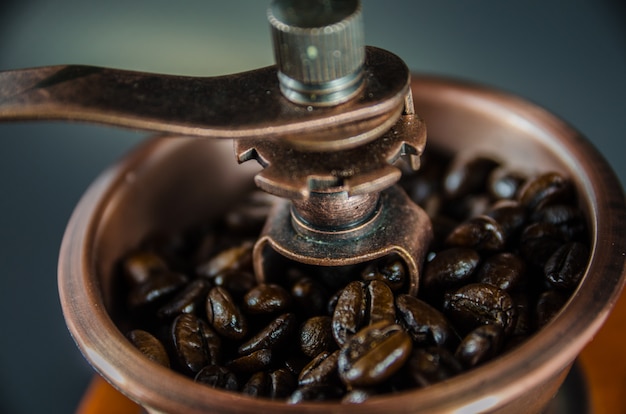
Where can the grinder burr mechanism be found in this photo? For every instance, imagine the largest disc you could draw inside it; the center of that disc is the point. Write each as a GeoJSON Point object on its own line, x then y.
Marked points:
{"type": "Point", "coordinates": [327, 123]}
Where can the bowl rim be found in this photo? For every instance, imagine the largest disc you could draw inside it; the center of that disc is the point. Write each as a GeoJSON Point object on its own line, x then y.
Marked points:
{"type": "Point", "coordinates": [542, 356]}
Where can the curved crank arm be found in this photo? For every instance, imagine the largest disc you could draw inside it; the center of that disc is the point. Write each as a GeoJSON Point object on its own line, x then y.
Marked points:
{"type": "Point", "coordinates": [238, 106]}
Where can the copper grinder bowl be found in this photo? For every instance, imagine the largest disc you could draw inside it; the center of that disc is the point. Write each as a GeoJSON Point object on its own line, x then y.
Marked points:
{"type": "Point", "coordinates": [170, 183]}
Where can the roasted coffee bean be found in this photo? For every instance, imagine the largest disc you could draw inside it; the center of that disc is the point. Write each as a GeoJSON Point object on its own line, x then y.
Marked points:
{"type": "Point", "coordinates": [545, 189]}
{"type": "Point", "coordinates": [187, 300]}
{"type": "Point", "coordinates": [349, 313]}
{"type": "Point", "coordinates": [234, 258]}
{"type": "Point", "coordinates": [266, 298]}
{"type": "Point", "coordinates": [195, 344]}
{"type": "Point", "coordinates": [430, 365]}
{"type": "Point", "coordinates": [224, 315]}
{"type": "Point", "coordinates": [450, 268]}
{"type": "Point", "coordinates": [282, 383]}
{"type": "Point", "coordinates": [566, 267]}
{"type": "Point", "coordinates": [272, 336]}
{"type": "Point", "coordinates": [523, 311]}
{"type": "Point", "coordinates": [548, 305]}
{"type": "Point", "coordinates": [510, 215]}
{"type": "Point", "coordinates": [236, 282]}
{"type": "Point", "coordinates": [504, 183]}
{"type": "Point", "coordinates": [502, 270]}
{"type": "Point", "coordinates": [425, 324]}
{"type": "Point", "coordinates": [321, 370]}
{"type": "Point", "coordinates": [466, 176]}
{"type": "Point", "coordinates": [380, 303]}
{"type": "Point", "coordinates": [156, 288]}
{"type": "Point", "coordinates": [373, 354]}
{"type": "Point", "coordinates": [567, 218]}
{"type": "Point", "coordinates": [480, 345]}
{"type": "Point", "coordinates": [358, 396]}
{"type": "Point", "coordinates": [309, 296]}
{"type": "Point", "coordinates": [480, 233]}
{"type": "Point", "coordinates": [140, 265]}
{"type": "Point", "coordinates": [316, 336]}
{"type": "Point", "coordinates": [315, 393]}
{"type": "Point", "coordinates": [257, 386]}
{"type": "Point", "coordinates": [480, 304]}
{"type": "Point", "coordinates": [390, 270]}
{"type": "Point", "coordinates": [467, 207]}
{"type": "Point", "coordinates": [539, 241]}
{"type": "Point", "coordinates": [150, 346]}
{"type": "Point", "coordinates": [217, 377]}
{"type": "Point", "coordinates": [295, 363]}
{"type": "Point", "coordinates": [252, 362]}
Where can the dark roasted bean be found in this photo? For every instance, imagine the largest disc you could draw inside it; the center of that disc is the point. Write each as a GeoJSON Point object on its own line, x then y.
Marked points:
{"type": "Point", "coordinates": [272, 336]}
{"type": "Point", "coordinates": [466, 176]}
{"type": "Point", "coordinates": [480, 304]}
{"type": "Point", "coordinates": [309, 296]}
{"type": "Point", "coordinates": [566, 267]}
{"type": "Point", "coordinates": [568, 219]}
{"type": "Point", "coordinates": [450, 268]}
{"type": "Point", "coordinates": [523, 319]}
{"type": "Point", "coordinates": [545, 189]}
{"type": "Point", "coordinates": [224, 315]}
{"type": "Point", "coordinates": [504, 183]}
{"type": "Point", "coordinates": [539, 241]}
{"type": "Point", "coordinates": [234, 258]}
{"type": "Point", "coordinates": [548, 305]}
{"type": "Point", "coordinates": [502, 270]}
{"type": "Point", "coordinates": [480, 233]}
{"type": "Point", "coordinates": [349, 313]}
{"type": "Point", "coordinates": [373, 354]}
{"type": "Point", "coordinates": [252, 362]}
{"type": "Point", "coordinates": [390, 270]}
{"type": "Point", "coordinates": [380, 303]}
{"type": "Point", "coordinates": [510, 215]}
{"type": "Point", "coordinates": [430, 365]}
{"type": "Point", "coordinates": [257, 386]}
{"type": "Point", "coordinates": [316, 336]}
{"type": "Point", "coordinates": [480, 345]}
{"type": "Point", "coordinates": [425, 324]}
{"type": "Point", "coordinates": [295, 363]}
{"type": "Point", "coordinates": [217, 377]}
{"type": "Point", "coordinates": [315, 393]}
{"type": "Point", "coordinates": [282, 383]}
{"type": "Point", "coordinates": [187, 300]}
{"type": "Point", "coordinates": [321, 370]}
{"type": "Point", "coordinates": [139, 266]}
{"type": "Point", "coordinates": [236, 282]}
{"type": "Point", "coordinates": [358, 396]}
{"type": "Point", "coordinates": [266, 298]}
{"type": "Point", "coordinates": [156, 288]}
{"type": "Point", "coordinates": [150, 346]}
{"type": "Point", "coordinates": [196, 345]}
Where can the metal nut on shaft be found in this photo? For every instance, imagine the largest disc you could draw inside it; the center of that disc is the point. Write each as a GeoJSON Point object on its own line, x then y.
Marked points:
{"type": "Point", "coordinates": [319, 48]}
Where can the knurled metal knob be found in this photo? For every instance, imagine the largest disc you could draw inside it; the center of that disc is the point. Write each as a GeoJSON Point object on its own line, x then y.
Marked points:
{"type": "Point", "coordinates": [319, 48]}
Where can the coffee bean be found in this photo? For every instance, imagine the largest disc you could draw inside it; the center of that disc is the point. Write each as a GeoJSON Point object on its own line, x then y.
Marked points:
{"type": "Point", "coordinates": [234, 258]}
{"type": "Point", "coordinates": [502, 270]}
{"type": "Point", "coordinates": [257, 386]}
{"type": "Point", "coordinates": [566, 267]}
{"type": "Point", "coordinates": [316, 336]}
{"type": "Point", "coordinates": [539, 241]}
{"type": "Point", "coordinates": [254, 361]}
{"type": "Point", "coordinates": [282, 384]}
{"type": "Point", "coordinates": [480, 345]}
{"type": "Point", "coordinates": [274, 335]}
{"type": "Point", "coordinates": [425, 324]}
{"type": "Point", "coordinates": [140, 265]}
{"type": "Point", "coordinates": [217, 377]}
{"type": "Point", "coordinates": [545, 189]}
{"type": "Point", "coordinates": [510, 215]}
{"type": "Point", "coordinates": [390, 270]}
{"type": "Point", "coordinates": [380, 303]}
{"type": "Point", "coordinates": [430, 365]}
{"type": "Point", "coordinates": [196, 345]}
{"type": "Point", "coordinates": [450, 268]}
{"type": "Point", "coordinates": [309, 296]}
{"type": "Point", "coordinates": [480, 233]}
{"type": "Point", "coordinates": [156, 288]}
{"type": "Point", "coordinates": [315, 393]}
{"type": "Point", "coordinates": [466, 176]}
{"type": "Point", "coordinates": [504, 183]}
{"type": "Point", "coordinates": [266, 298]}
{"type": "Point", "coordinates": [322, 370]}
{"type": "Point", "coordinates": [186, 301]}
{"type": "Point", "coordinates": [150, 346]}
{"type": "Point", "coordinates": [373, 354]}
{"type": "Point", "coordinates": [349, 313]}
{"type": "Point", "coordinates": [235, 282]}
{"type": "Point", "coordinates": [549, 304]}
{"type": "Point", "coordinates": [224, 315]}
{"type": "Point", "coordinates": [480, 304]}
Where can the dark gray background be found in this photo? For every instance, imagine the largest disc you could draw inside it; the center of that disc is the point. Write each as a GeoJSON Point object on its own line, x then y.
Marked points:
{"type": "Point", "coordinates": [566, 55]}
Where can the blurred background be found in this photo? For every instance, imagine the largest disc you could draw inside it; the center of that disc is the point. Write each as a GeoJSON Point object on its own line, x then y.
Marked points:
{"type": "Point", "coordinates": [568, 56]}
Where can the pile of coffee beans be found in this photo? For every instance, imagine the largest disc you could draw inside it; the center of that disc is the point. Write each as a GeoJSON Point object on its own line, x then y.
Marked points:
{"type": "Point", "coordinates": [508, 250]}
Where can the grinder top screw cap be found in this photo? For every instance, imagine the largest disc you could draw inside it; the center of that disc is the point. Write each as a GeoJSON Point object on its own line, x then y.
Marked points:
{"type": "Point", "coordinates": [319, 49]}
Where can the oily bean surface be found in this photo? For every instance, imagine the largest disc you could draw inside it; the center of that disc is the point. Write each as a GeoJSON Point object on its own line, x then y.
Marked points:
{"type": "Point", "coordinates": [508, 251]}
